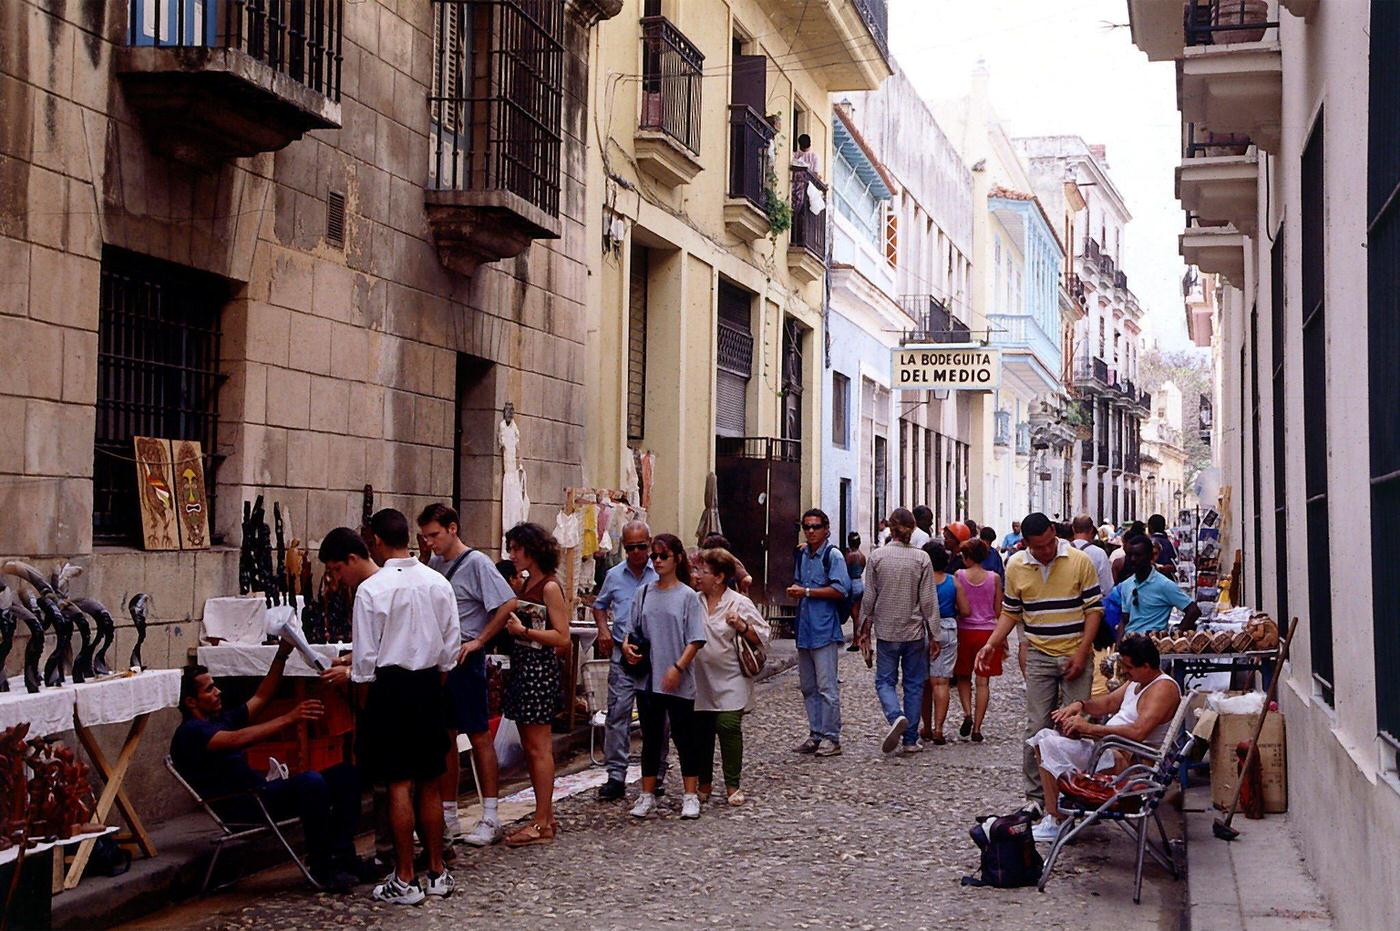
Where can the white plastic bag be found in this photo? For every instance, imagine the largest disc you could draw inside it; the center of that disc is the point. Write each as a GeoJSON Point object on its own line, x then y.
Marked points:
{"type": "Point", "coordinates": [1248, 703]}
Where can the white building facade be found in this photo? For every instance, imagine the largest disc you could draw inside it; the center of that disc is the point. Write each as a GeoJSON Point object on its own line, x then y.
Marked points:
{"type": "Point", "coordinates": [1289, 172]}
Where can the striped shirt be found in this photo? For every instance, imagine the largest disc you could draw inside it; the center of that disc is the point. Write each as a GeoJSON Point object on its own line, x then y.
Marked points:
{"type": "Point", "coordinates": [1051, 600]}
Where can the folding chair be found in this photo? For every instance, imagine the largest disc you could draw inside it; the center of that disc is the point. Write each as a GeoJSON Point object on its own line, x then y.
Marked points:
{"type": "Point", "coordinates": [595, 690]}
{"type": "Point", "coordinates": [240, 830]}
{"type": "Point", "coordinates": [464, 745]}
{"type": "Point", "coordinates": [1142, 785]}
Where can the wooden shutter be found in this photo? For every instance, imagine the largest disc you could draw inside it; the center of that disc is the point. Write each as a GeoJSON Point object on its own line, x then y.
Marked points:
{"type": "Point", "coordinates": [749, 84]}
{"type": "Point", "coordinates": [637, 345]}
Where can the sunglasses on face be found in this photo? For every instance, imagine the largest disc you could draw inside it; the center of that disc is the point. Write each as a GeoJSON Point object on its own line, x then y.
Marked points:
{"type": "Point", "coordinates": [662, 554]}
{"type": "Point", "coordinates": [813, 527]}
{"type": "Point", "coordinates": [635, 547]}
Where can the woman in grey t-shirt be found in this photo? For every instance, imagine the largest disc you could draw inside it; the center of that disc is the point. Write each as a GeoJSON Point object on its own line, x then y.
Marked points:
{"type": "Point", "coordinates": [668, 630]}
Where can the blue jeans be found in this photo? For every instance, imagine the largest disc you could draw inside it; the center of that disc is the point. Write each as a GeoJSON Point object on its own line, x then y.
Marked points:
{"type": "Point", "coordinates": [617, 737]}
{"type": "Point", "coordinates": [816, 670]}
{"type": "Point", "coordinates": [912, 657]}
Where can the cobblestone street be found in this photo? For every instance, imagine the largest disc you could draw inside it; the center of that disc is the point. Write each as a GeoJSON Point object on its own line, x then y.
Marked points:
{"type": "Point", "coordinates": [856, 841]}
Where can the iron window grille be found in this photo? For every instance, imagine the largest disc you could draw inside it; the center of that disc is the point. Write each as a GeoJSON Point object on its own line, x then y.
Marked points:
{"type": "Point", "coordinates": [1225, 22]}
{"type": "Point", "coordinates": [157, 375]}
{"type": "Point", "coordinates": [298, 38]}
{"type": "Point", "coordinates": [496, 98]}
{"type": "Point", "coordinates": [1314, 292]}
{"type": "Point", "coordinates": [1383, 338]}
{"type": "Point", "coordinates": [672, 72]}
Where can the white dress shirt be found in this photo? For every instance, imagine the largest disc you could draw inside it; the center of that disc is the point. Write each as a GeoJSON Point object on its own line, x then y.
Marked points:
{"type": "Point", "coordinates": [405, 615]}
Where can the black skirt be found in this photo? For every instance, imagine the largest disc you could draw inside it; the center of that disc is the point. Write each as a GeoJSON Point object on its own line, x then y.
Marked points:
{"type": "Point", "coordinates": [534, 687]}
{"type": "Point", "coordinates": [402, 733]}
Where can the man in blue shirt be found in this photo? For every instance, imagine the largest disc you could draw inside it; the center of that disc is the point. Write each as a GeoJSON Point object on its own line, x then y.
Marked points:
{"type": "Point", "coordinates": [993, 562]}
{"type": "Point", "coordinates": [620, 586]}
{"type": "Point", "coordinates": [1012, 541]}
{"type": "Point", "coordinates": [1148, 596]}
{"type": "Point", "coordinates": [821, 586]}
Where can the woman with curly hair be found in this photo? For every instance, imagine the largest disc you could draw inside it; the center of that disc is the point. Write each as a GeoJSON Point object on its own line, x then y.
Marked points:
{"type": "Point", "coordinates": [539, 629]}
{"type": "Point", "coordinates": [668, 630]}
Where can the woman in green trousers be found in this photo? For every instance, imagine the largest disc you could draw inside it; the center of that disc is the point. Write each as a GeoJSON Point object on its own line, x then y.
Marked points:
{"type": "Point", "coordinates": [722, 692]}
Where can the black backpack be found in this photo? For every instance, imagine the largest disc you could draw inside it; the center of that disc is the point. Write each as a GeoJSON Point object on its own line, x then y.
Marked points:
{"type": "Point", "coordinates": [1009, 857]}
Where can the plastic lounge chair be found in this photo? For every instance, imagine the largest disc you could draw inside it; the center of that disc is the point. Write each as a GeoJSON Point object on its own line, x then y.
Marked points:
{"type": "Point", "coordinates": [595, 690]}
{"type": "Point", "coordinates": [239, 830]}
{"type": "Point", "coordinates": [1134, 804]}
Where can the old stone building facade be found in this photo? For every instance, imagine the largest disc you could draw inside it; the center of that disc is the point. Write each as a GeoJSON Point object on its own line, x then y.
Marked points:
{"type": "Point", "coordinates": [330, 249]}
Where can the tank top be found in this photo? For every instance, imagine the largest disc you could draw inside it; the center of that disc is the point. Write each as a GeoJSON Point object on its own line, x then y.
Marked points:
{"type": "Point", "coordinates": [981, 603]}
{"type": "Point", "coordinates": [1128, 711]}
{"type": "Point", "coordinates": [856, 569]}
{"type": "Point", "coordinates": [947, 597]}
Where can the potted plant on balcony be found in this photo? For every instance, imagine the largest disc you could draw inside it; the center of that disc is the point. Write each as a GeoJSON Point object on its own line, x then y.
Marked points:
{"type": "Point", "coordinates": [1241, 13]}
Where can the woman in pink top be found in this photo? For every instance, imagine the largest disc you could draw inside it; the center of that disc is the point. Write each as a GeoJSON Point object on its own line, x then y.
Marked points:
{"type": "Point", "coordinates": [979, 606]}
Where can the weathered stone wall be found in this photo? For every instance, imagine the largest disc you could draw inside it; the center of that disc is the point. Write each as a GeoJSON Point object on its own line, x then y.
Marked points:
{"type": "Point", "coordinates": [341, 363]}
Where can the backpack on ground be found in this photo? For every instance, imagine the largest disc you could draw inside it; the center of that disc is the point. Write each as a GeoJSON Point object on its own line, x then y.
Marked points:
{"type": "Point", "coordinates": [1009, 857]}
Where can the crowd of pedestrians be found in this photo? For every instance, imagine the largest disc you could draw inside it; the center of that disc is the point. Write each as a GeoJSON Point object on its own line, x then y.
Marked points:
{"type": "Point", "coordinates": [931, 608]}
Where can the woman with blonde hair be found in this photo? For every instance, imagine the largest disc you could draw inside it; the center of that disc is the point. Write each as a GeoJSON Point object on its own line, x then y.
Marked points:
{"type": "Point", "coordinates": [723, 693]}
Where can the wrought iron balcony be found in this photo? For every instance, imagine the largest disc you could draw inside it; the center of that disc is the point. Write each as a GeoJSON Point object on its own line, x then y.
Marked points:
{"type": "Point", "coordinates": [495, 129]}
{"type": "Point", "coordinates": [1146, 401]}
{"type": "Point", "coordinates": [935, 323]}
{"type": "Point", "coordinates": [1117, 460]}
{"type": "Point", "coordinates": [1076, 288]}
{"type": "Point", "coordinates": [1120, 280]}
{"type": "Point", "coordinates": [212, 81]}
{"type": "Point", "coordinates": [1091, 373]}
{"type": "Point", "coordinates": [1091, 250]}
{"type": "Point", "coordinates": [877, 20]}
{"type": "Point", "coordinates": [1086, 452]}
{"type": "Point", "coordinates": [1106, 264]}
{"type": "Point", "coordinates": [1001, 435]}
{"type": "Point", "coordinates": [746, 213]}
{"type": "Point", "coordinates": [807, 241]}
{"type": "Point", "coordinates": [1202, 143]}
{"type": "Point", "coordinates": [1102, 459]}
{"type": "Point", "coordinates": [668, 133]}
{"type": "Point", "coordinates": [1227, 22]}
{"type": "Point", "coordinates": [1023, 439]}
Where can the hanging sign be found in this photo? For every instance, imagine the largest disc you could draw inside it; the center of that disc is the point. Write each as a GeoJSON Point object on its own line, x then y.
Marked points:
{"type": "Point", "coordinates": [945, 368]}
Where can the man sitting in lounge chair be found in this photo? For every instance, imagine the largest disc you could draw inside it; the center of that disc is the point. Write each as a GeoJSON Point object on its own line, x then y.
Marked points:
{"type": "Point", "coordinates": [1142, 709]}
{"type": "Point", "coordinates": [207, 750]}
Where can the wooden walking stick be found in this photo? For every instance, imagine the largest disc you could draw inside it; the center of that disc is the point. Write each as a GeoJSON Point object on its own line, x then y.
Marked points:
{"type": "Point", "coordinates": [1221, 828]}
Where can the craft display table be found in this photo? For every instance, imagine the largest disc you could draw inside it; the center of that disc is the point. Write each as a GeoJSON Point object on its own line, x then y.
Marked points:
{"type": "Point", "coordinates": [254, 659]}
{"type": "Point", "coordinates": [114, 700]}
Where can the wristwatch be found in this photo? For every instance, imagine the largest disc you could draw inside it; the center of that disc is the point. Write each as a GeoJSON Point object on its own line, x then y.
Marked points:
{"type": "Point", "coordinates": [807, 592]}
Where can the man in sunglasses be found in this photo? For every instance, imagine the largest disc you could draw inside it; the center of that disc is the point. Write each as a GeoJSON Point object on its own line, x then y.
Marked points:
{"type": "Point", "coordinates": [1147, 595]}
{"type": "Point", "coordinates": [820, 588]}
{"type": "Point", "coordinates": [615, 598]}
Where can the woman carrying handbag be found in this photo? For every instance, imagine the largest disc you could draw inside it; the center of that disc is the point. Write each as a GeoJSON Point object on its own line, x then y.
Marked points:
{"type": "Point", "coordinates": [723, 685]}
{"type": "Point", "coordinates": [668, 630]}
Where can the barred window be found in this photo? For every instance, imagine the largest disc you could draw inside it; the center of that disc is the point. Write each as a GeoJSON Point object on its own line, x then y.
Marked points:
{"type": "Point", "coordinates": [157, 375]}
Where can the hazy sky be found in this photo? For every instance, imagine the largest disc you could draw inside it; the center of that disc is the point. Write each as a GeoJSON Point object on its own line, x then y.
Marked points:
{"type": "Point", "coordinates": [1056, 68]}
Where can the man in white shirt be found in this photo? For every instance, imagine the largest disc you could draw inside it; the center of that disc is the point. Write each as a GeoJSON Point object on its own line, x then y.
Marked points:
{"type": "Point", "coordinates": [923, 527]}
{"type": "Point", "coordinates": [406, 638]}
{"type": "Point", "coordinates": [1083, 540]}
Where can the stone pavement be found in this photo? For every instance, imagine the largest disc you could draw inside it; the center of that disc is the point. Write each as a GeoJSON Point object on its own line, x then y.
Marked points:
{"type": "Point", "coordinates": [857, 841]}
{"type": "Point", "coordinates": [1257, 882]}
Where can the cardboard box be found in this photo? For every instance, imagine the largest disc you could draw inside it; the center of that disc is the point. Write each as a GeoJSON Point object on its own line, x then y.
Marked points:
{"type": "Point", "coordinates": [1229, 731]}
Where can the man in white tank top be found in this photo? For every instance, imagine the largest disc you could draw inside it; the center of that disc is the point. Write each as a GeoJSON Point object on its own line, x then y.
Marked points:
{"type": "Point", "coordinates": [1142, 709]}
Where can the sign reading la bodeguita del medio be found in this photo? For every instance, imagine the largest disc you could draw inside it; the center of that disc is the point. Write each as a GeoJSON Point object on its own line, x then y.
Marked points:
{"type": "Point", "coordinates": [945, 368]}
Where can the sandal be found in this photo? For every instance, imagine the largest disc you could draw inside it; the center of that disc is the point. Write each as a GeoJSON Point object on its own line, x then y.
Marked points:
{"type": "Point", "coordinates": [533, 833]}
{"type": "Point", "coordinates": [938, 740]}
{"type": "Point", "coordinates": [966, 728]}
{"type": "Point", "coordinates": [977, 737]}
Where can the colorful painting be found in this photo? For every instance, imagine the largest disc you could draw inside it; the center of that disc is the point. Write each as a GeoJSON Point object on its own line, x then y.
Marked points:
{"type": "Point", "coordinates": [156, 494]}
{"type": "Point", "coordinates": [191, 493]}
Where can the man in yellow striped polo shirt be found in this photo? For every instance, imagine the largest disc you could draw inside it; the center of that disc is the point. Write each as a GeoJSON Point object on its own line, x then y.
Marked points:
{"type": "Point", "coordinates": [1052, 592]}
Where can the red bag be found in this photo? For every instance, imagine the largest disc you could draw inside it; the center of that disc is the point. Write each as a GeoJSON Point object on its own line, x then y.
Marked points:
{"type": "Point", "coordinates": [1092, 790]}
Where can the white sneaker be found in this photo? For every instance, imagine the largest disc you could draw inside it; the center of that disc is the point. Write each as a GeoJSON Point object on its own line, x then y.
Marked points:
{"type": "Point", "coordinates": [908, 749]}
{"type": "Point", "coordinates": [1046, 830]}
{"type": "Point", "coordinates": [690, 806]}
{"type": "Point", "coordinates": [484, 834]}
{"type": "Point", "coordinates": [896, 731]}
{"type": "Point", "coordinates": [440, 885]}
{"type": "Point", "coordinates": [646, 804]}
{"type": "Point", "coordinates": [397, 892]}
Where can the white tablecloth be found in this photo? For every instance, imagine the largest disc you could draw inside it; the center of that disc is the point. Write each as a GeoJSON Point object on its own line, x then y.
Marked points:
{"type": "Point", "coordinates": [250, 659]}
{"type": "Point", "coordinates": [112, 701]}
{"type": "Point", "coordinates": [48, 711]}
{"type": "Point", "coordinates": [242, 619]}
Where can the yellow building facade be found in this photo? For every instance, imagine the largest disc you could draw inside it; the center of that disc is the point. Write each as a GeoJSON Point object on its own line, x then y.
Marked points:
{"type": "Point", "coordinates": [705, 334]}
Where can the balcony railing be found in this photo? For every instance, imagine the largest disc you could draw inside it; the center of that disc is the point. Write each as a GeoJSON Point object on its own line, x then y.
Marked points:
{"type": "Point", "coordinates": [1103, 453]}
{"type": "Point", "coordinates": [1133, 465]}
{"type": "Point", "coordinates": [1106, 264]}
{"type": "Point", "coordinates": [1076, 288]}
{"type": "Point", "coordinates": [808, 228]}
{"type": "Point", "coordinates": [1089, 371]}
{"type": "Point", "coordinates": [672, 71]}
{"type": "Point", "coordinates": [1120, 280]}
{"type": "Point", "coordinates": [749, 135]}
{"type": "Point", "coordinates": [298, 38]}
{"type": "Point", "coordinates": [1146, 400]}
{"type": "Point", "coordinates": [1117, 460]}
{"type": "Point", "coordinates": [1202, 143]}
{"type": "Point", "coordinates": [1086, 452]}
{"type": "Point", "coordinates": [1226, 22]}
{"type": "Point", "coordinates": [1002, 433]}
{"type": "Point", "coordinates": [1023, 439]}
{"type": "Point", "coordinates": [877, 20]}
{"type": "Point", "coordinates": [935, 323]}
{"type": "Point", "coordinates": [502, 133]}
{"type": "Point", "coordinates": [1091, 251]}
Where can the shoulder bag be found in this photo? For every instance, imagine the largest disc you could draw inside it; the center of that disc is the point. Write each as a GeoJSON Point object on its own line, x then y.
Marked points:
{"type": "Point", "coordinates": [639, 671]}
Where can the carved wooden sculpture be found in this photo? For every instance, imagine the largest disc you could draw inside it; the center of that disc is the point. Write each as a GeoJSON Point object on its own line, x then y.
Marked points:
{"type": "Point", "coordinates": [137, 607]}
{"type": "Point", "coordinates": [106, 632]}
{"type": "Point", "coordinates": [31, 617]}
{"type": "Point", "coordinates": [8, 620]}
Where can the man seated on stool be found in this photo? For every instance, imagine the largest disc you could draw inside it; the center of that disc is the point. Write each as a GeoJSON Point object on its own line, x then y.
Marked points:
{"type": "Point", "coordinates": [207, 750]}
{"type": "Point", "coordinates": [1142, 709]}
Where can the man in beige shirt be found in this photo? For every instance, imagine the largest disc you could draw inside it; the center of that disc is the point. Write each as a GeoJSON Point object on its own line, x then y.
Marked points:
{"type": "Point", "coordinates": [900, 605]}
